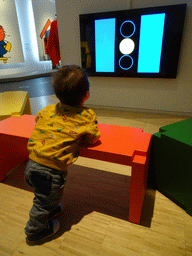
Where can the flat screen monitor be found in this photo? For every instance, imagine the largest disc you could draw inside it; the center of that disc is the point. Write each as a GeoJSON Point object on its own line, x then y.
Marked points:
{"type": "Point", "coordinates": [141, 42]}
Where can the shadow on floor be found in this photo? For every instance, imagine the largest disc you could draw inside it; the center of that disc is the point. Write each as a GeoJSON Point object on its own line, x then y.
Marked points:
{"type": "Point", "coordinates": [89, 190]}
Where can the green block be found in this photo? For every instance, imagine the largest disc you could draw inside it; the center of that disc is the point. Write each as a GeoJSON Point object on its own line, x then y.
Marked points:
{"type": "Point", "coordinates": [180, 131]}
{"type": "Point", "coordinates": [170, 168]}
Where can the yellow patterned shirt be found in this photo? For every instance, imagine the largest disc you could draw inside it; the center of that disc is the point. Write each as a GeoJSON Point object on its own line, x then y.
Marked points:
{"type": "Point", "coordinates": [55, 140]}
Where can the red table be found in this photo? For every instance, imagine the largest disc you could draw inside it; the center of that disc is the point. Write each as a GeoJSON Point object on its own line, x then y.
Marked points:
{"type": "Point", "coordinates": [128, 146]}
{"type": "Point", "coordinates": [14, 135]}
{"type": "Point", "coordinates": [118, 144]}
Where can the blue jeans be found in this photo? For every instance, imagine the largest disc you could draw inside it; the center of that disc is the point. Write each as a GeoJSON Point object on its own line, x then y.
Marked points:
{"type": "Point", "coordinates": [48, 187]}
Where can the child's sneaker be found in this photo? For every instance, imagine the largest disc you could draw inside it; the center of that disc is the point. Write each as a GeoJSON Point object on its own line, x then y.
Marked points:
{"type": "Point", "coordinates": [52, 226]}
{"type": "Point", "coordinates": [55, 212]}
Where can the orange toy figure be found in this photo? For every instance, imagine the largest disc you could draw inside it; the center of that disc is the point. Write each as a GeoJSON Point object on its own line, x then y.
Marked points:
{"type": "Point", "coordinates": [4, 47]}
{"type": "Point", "coordinates": [45, 33]}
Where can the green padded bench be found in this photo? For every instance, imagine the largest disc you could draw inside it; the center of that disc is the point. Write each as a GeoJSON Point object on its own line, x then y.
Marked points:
{"type": "Point", "coordinates": [170, 169]}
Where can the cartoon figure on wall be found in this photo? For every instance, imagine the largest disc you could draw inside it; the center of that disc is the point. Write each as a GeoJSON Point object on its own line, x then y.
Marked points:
{"type": "Point", "coordinates": [4, 46]}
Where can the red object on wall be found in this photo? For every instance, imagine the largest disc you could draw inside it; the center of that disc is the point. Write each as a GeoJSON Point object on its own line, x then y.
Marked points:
{"type": "Point", "coordinates": [45, 45]}
{"type": "Point", "coordinates": [53, 44]}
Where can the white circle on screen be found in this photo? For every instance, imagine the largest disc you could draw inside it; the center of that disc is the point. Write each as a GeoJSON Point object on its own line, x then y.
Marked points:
{"type": "Point", "coordinates": [127, 46]}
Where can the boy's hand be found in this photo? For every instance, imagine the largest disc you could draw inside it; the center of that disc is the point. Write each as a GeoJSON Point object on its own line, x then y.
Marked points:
{"type": "Point", "coordinates": [87, 139]}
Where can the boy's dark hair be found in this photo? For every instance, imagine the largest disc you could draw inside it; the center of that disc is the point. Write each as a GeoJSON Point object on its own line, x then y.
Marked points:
{"type": "Point", "coordinates": [71, 85]}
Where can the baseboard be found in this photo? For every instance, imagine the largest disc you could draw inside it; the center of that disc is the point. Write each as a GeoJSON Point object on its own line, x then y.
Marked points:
{"type": "Point", "coordinates": [148, 111]}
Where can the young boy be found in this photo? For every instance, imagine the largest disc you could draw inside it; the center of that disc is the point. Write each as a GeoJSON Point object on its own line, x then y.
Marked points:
{"type": "Point", "coordinates": [60, 132]}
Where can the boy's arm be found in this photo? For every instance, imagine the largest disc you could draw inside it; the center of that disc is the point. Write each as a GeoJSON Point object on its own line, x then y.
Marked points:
{"type": "Point", "coordinates": [39, 115]}
{"type": "Point", "coordinates": [92, 135]}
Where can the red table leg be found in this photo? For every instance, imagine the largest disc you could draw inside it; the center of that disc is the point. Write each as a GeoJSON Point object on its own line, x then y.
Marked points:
{"type": "Point", "coordinates": [137, 188]}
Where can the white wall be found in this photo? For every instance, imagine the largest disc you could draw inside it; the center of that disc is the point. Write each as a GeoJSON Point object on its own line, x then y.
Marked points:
{"type": "Point", "coordinates": [158, 95]}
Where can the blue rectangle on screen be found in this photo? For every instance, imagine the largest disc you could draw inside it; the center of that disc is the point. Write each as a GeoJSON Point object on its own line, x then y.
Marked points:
{"type": "Point", "coordinates": [150, 43]}
{"type": "Point", "coordinates": [105, 45]}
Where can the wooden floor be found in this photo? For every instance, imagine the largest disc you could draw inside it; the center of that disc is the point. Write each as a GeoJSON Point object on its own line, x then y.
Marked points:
{"type": "Point", "coordinates": [94, 220]}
